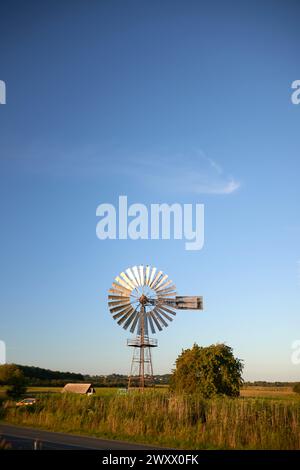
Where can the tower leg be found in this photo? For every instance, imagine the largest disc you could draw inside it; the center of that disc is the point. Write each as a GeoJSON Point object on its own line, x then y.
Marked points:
{"type": "Point", "coordinates": [141, 371]}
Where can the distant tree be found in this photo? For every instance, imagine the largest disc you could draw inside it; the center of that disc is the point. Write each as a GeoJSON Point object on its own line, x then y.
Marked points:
{"type": "Point", "coordinates": [296, 387]}
{"type": "Point", "coordinates": [33, 373]}
{"type": "Point", "coordinates": [208, 371]}
{"type": "Point", "coordinates": [13, 377]}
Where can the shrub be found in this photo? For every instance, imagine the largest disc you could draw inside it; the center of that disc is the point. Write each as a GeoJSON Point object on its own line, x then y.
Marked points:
{"type": "Point", "coordinates": [296, 387]}
{"type": "Point", "coordinates": [208, 371]}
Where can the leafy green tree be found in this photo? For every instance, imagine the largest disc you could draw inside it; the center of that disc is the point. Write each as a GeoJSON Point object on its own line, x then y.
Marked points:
{"type": "Point", "coordinates": [208, 371]}
{"type": "Point", "coordinates": [14, 378]}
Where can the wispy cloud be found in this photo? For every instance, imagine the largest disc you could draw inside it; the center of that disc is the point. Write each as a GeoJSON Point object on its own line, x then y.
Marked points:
{"type": "Point", "coordinates": [191, 172]}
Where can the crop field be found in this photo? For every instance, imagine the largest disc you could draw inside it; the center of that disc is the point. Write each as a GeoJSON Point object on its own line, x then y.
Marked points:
{"type": "Point", "coordinates": [262, 418]}
{"type": "Point", "coordinates": [283, 393]}
{"type": "Point", "coordinates": [280, 393]}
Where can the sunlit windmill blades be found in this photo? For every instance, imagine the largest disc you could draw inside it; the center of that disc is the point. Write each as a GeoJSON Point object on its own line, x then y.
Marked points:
{"type": "Point", "coordinates": [142, 277]}
{"type": "Point", "coordinates": [125, 316]}
{"type": "Point", "coordinates": [151, 277]}
{"type": "Point", "coordinates": [117, 297]}
{"type": "Point", "coordinates": [121, 288]}
{"type": "Point", "coordinates": [155, 279]}
{"type": "Point", "coordinates": [130, 283]}
{"type": "Point", "coordinates": [135, 321]}
{"type": "Point", "coordinates": [122, 312]}
{"type": "Point", "coordinates": [166, 288]}
{"type": "Point", "coordinates": [130, 319]}
{"type": "Point", "coordinates": [155, 320]}
{"type": "Point", "coordinates": [119, 308]}
{"type": "Point", "coordinates": [123, 283]}
{"type": "Point", "coordinates": [136, 274]}
{"type": "Point", "coordinates": [116, 292]}
{"type": "Point", "coordinates": [151, 323]}
{"type": "Point", "coordinates": [137, 298]}
{"type": "Point", "coordinates": [161, 282]}
{"type": "Point", "coordinates": [147, 274]}
{"type": "Point", "coordinates": [167, 309]}
{"type": "Point", "coordinates": [159, 317]}
{"type": "Point", "coordinates": [114, 303]}
{"type": "Point", "coordinates": [162, 312]}
{"type": "Point", "coordinates": [132, 276]}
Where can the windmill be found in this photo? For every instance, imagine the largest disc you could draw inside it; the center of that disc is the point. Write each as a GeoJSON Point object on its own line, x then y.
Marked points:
{"type": "Point", "coordinates": [144, 298]}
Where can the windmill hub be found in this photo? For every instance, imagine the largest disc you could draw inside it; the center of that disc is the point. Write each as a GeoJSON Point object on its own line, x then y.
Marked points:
{"type": "Point", "coordinates": [143, 299]}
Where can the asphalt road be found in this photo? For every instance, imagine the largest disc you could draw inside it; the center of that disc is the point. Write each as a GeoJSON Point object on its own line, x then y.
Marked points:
{"type": "Point", "coordinates": [29, 438]}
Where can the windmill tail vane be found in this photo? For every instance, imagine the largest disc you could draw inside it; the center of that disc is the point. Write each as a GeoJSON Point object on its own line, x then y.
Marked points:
{"type": "Point", "coordinates": [144, 298]}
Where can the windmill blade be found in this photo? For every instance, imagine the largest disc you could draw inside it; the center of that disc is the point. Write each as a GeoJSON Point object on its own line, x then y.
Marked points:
{"type": "Point", "coordinates": [161, 282]}
{"type": "Point", "coordinates": [118, 292]}
{"type": "Point", "coordinates": [122, 312]}
{"type": "Point", "coordinates": [134, 323]}
{"type": "Point", "coordinates": [129, 281]}
{"type": "Point", "coordinates": [167, 295]}
{"type": "Point", "coordinates": [152, 273]}
{"type": "Point", "coordinates": [136, 273]}
{"type": "Point", "coordinates": [167, 289]}
{"type": "Point", "coordinates": [132, 276]}
{"type": "Point", "coordinates": [123, 283]}
{"type": "Point", "coordinates": [114, 303]}
{"type": "Point", "coordinates": [127, 314]}
{"type": "Point", "coordinates": [156, 312]}
{"type": "Point", "coordinates": [155, 280]}
{"type": "Point", "coordinates": [121, 288]}
{"type": "Point", "coordinates": [130, 319]}
{"type": "Point", "coordinates": [160, 310]}
{"type": "Point", "coordinates": [136, 276]}
{"type": "Point", "coordinates": [155, 320]}
{"type": "Point", "coordinates": [116, 309]}
{"type": "Point", "coordinates": [142, 274]}
{"type": "Point", "coordinates": [163, 307]}
{"type": "Point", "coordinates": [165, 285]}
{"type": "Point", "coordinates": [147, 274]}
{"type": "Point", "coordinates": [151, 323]}
{"type": "Point", "coordinates": [118, 297]}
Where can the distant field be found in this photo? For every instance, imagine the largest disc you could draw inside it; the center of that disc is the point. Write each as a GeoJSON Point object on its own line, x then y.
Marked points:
{"type": "Point", "coordinates": [246, 392]}
{"type": "Point", "coordinates": [269, 392]}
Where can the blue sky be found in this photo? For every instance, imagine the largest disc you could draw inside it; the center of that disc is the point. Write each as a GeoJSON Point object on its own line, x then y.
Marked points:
{"type": "Point", "coordinates": [172, 101]}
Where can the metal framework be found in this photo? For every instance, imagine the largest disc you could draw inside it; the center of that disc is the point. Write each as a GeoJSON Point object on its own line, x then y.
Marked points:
{"type": "Point", "coordinates": [143, 298]}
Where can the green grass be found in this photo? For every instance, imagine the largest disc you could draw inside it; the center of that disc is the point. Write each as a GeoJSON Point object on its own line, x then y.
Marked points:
{"type": "Point", "coordinates": [159, 418]}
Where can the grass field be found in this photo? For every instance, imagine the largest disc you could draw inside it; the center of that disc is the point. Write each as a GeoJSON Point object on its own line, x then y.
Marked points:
{"type": "Point", "coordinates": [280, 393]}
{"type": "Point", "coordinates": [262, 418]}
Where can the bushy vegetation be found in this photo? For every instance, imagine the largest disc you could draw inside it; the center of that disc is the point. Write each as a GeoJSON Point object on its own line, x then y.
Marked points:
{"type": "Point", "coordinates": [208, 371]}
{"type": "Point", "coordinates": [296, 388]}
{"type": "Point", "coordinates": [13, 377]}
{"type": "Point", "coordinates": [161, 418]}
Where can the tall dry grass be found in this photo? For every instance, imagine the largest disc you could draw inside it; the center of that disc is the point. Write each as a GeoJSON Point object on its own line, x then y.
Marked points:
{"type": "Point", "coordinates": [166, 420]}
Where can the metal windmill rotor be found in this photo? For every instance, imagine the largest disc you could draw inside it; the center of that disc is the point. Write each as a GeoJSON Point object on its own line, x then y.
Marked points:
{"type": "Point", "coordinates": [144, 298]}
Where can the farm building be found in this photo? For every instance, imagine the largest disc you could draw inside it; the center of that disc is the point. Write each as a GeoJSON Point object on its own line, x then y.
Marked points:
{"type": "Point", "coordinates": [82, 389]}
